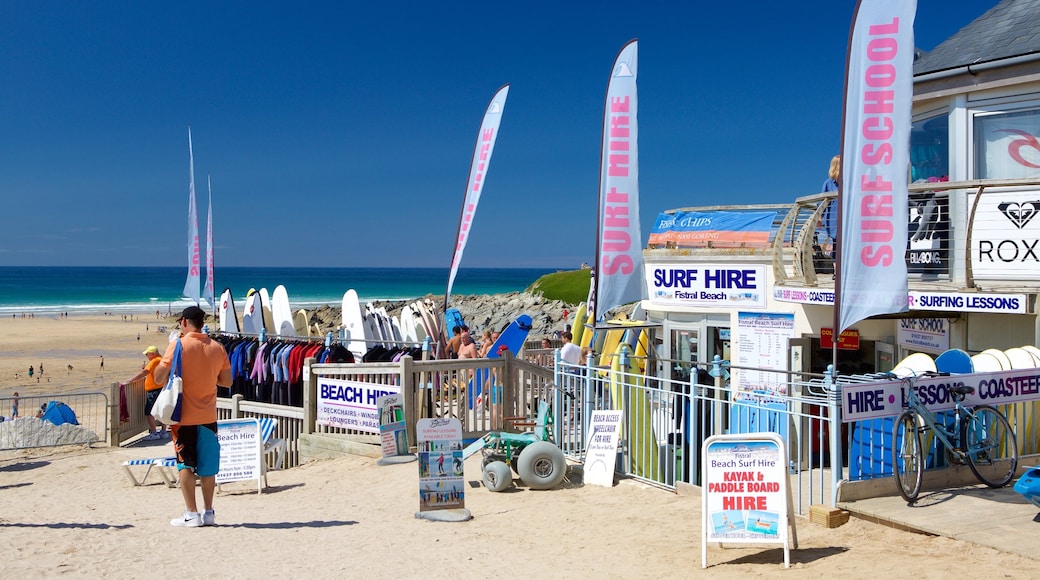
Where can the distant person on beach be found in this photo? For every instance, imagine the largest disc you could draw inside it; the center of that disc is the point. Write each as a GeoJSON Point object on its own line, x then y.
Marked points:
{"type": "Point", "coordinates": [30, 371]}
{"type": "Point", "coordinates": [14, 406]}
{"type": "Point", "coordinates": [468, 348]}
{"type": "Point", "coordinates": [570, 352]}
{"type": "Point", "coordinates": [830, 215]}
{"type": "Point", "coordinates": [454, 342]}
{"type": "Point", "coordinates": [204, 366]}
{"type": "Point", "coordinates": [102, 361]}
{"type": "Point", "coordinates": [151, 393]}
{"type": "Point", "coordinates": [485, 343]}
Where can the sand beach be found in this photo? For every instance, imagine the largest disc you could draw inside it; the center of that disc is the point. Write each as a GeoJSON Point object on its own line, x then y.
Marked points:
{"type": "Point", "coordinates": [71, 511]}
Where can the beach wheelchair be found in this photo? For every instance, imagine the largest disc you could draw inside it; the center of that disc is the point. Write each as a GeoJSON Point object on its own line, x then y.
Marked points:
{"type": "Point", "coordinates": [532, 454]}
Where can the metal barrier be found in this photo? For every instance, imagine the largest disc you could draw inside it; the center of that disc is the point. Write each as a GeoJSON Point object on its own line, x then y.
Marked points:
{"type": "Point", "coordinates": [50, 420]}
{"type": "Point", "coordinates": [665, 423]}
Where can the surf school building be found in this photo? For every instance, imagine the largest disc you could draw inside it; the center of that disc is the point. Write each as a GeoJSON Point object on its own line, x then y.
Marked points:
{"type": "Point", "coordinates": [754, 285]}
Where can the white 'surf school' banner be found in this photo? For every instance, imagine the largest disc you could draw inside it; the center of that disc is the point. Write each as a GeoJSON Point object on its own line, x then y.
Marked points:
{"type": "Point", "coordinates": [477, 172]}
{"type": "Point", "coordinates": [619, 252]}
{"type": "Point", "coordinates": [875, 157]}
{"type": "Point", "coordinates": [191, 284]}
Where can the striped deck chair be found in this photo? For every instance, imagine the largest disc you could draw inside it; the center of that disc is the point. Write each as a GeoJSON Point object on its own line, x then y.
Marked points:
{"type": "Point", "coordinates": [272, 446]}
{"type": "Point", "coordinates": [149, 463]}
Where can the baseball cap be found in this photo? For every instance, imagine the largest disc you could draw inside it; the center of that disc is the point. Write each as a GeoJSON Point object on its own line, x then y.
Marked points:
{"type": "Point", "coordinates": [194, 314]}
{"type": "Point", "coordinates": [150, 350]}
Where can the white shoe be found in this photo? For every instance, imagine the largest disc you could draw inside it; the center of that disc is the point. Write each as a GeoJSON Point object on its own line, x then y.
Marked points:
{"type": "Point", "coordinates": [188, 520]}
{"type": "Point", "coordinates": [209, 518]}
{"type": "Point", "coordinates": [165, 434]}
{"type": "Point", "coordinates": [152, 437]}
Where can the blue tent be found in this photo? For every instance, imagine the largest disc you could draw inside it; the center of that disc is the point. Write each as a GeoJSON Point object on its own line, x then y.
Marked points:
{"type": "Point", "coordinates": [58, 413]}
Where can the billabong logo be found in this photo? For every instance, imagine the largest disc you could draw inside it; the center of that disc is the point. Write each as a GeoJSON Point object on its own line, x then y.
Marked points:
{"type": "Point", "coordinates": [1020, 214]}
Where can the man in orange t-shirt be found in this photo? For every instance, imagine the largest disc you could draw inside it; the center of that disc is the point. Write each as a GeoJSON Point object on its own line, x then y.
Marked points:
{"type": "Point", "coordinates": [151, 392]}
{"type": "Point", "coordinates": [204, 365]}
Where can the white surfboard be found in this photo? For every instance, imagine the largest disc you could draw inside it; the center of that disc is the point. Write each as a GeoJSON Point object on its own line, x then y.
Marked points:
{"type": "Point", "coordinates": [914, 365]}
{"type": "Point", "coordinates": [1033, 351]}
{"type": "Point", "coordinates": [407, 322]}
{"type": "Point", "coordinates": [1020, 358]}
{"type": "Point", "coordinates": [354, 324]}
{"type": "Point", "coordinates": [281, 312]}
{"type": "Point", "coordinates": [252, 316]}
{"type": "Point", "coordinates": [302, 323]}
{"type": "Point", "coordinates": [985, 363]}
{"type": "Point", "coordinates": [228, 316]}
{"type": "Point", "coordinates": [999, 355]}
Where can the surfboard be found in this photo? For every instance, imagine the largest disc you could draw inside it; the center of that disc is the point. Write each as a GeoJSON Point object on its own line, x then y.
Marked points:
{"type": "Point", "coordinates": [914, 365]}
{"type": "Point", "coordinates": [252, 316]}
{"type": "Point", "coordinates": [612, 337]}
{"type": "Point", "coordinates": [265, 303]}
{"type": "Point", "coordinates": [281, 312]}
{"type": "Point", "coordinates": [453, 318]}
{"type": "Point", "coordinates": [353, 320]}
{"type": "Point", "coordinates": [642, 442]}
{"type": "Point", "coordinates": [954, 360]}
{"type": "Point", "coordinates": [512, 339]}
{"type": "Point", "coordinates": [999, 355]}
{"type": "Point", "coordinates": [1033, 351]}
{"type": "Point", "coordinates": [407, 322]}
{"type": "Point", "coordinates": [302, 323]}
{"type": "Point", "coordinates": [228, 317]}
{"type": "Point", "coordinates": [578, 327]}
{"type": "Point", "coordinates": [588, 332]}
{"type": "Point", "coordinates": [985, 363]}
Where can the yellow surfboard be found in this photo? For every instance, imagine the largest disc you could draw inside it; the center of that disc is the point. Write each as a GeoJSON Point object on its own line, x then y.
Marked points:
{"type": "Point", "coordinates": [578, 328]}
{"type": "Point", "coordinates": [638, 416]}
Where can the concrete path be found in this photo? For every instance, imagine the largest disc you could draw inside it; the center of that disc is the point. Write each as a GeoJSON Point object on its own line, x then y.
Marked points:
{"type": "Point", "coordinates": [998, 518]}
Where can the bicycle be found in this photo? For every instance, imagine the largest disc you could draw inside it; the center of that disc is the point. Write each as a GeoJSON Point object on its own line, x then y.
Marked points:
{"type": "Point", "coordinates": [979, 436]}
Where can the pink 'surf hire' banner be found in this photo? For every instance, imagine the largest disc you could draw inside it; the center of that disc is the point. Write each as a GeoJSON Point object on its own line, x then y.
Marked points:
{"type": "Point", "coordinates": [619, 251]}
{"type": "Point", "coordinates": [875, 156]}
{"type": "Point", "coordinates": [477, 172]}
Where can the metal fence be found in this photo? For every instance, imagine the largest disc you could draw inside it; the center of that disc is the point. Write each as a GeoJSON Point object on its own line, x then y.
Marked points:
{"type": "Point", "coordinates": [50, 420]}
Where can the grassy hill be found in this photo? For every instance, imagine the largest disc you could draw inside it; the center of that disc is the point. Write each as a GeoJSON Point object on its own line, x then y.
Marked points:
{"type": "Point", "coordinates": [570, 286]}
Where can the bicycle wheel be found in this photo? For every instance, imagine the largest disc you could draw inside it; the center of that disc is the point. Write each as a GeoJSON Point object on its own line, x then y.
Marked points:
{"type": "Point", "coordinates": [990, 445]}
{"type": "Point", "coordinates": [907, 456]}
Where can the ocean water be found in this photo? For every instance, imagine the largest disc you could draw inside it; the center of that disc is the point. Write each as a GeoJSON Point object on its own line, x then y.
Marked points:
{"type": "Point", "coordinates": [147, 289]}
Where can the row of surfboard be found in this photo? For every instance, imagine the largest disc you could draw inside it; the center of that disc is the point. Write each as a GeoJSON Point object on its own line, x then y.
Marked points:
{"type": "Point", "coordinates": [987, 361]}
{"type": "Point", "coordinates": [364, 327]}
{"type": "Point", "coordinates": [264, 312]}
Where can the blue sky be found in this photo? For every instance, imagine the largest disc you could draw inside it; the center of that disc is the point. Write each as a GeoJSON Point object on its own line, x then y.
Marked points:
{"type": "Point", "coordinates": [340, 133]}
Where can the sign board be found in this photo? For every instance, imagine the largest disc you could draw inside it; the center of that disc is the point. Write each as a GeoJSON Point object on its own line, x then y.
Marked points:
{"type": "Point", "coordinates": [440, 464]}
{"type": "Point", "coordinates": [350, 404]}
{"type": "Point", "coordinates": [761, 343]}
{"type": "Point", "coordinates": [240, 451]}
{"type": "Point", "coordinates": [862, 401]}
{"type": "Point", "coordinates": [719, 285]}
{"type": "Point", "coordinates": [392, 432]}
{"type": "Point", "coordinates": [601, 448]}
{"type": "Point", "coordinates": [949, 301]}
{"type": "Point", "coordinates": [924, 334]}
{"type": "Point", "coordinates": [746, 497]}
{"type": "Point", "coordinates": [1005, 239]}
{"type": "Point", "coordinates": [847, 340]}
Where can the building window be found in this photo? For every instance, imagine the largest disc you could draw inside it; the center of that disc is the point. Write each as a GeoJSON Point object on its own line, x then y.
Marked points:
{"type": "Point", "coordinates": [930, 148]}
{"type": "Point", "coordinates": [1006, 145]}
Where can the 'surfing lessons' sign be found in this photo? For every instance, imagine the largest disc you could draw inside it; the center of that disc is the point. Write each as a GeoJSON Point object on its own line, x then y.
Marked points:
{"type": "Point", "coordinates": [350, 404]}
{"type": "Point", "coordinates": [392, 433]}
{"type": "Point", "coordinates": [601, 448]}
{"type": "Point", "coordinates": [240, 448]}
{"type": "Point", "coordinates": [746, 498]}
{"type": "Point", "coordinates": [440, 464]}
{"type": "Point", "coordinates": [719, 285]}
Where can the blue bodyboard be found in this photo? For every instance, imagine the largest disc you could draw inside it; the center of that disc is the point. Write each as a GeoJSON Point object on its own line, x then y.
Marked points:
{"type": "Point", "coordinates": [512, 338]}
{"type": "Point", "coordinates": [452, 318]}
